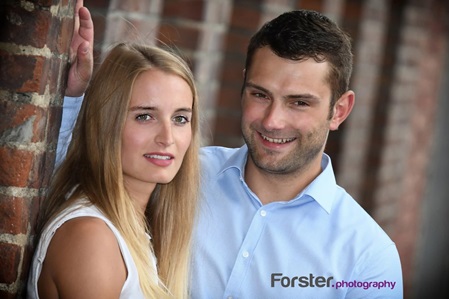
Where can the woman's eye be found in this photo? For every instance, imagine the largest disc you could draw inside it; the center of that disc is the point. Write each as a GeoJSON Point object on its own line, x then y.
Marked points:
{"type": "Point", "coordinates": [181, 119]}
{"type": "Point", "coordinates": [143, 117]}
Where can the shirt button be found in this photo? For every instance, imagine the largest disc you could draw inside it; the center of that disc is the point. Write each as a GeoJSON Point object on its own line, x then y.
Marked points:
{"type": "Point", "coordinates": [263, 213]}
{"type": "Point", "coordinates": [245, 254]}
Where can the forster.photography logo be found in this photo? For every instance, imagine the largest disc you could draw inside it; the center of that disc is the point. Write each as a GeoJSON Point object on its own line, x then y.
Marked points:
{"type": "Point", "coordinates": [314, 281]}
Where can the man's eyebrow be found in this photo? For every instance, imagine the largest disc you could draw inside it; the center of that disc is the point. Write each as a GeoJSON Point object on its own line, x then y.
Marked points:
{"type": "Point", "coordinates": [302, 96]}
{"type": "Point", "coordinates": [253, 85]}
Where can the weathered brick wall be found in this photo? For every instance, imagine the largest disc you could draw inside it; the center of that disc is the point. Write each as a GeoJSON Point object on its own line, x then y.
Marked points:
{"type": "Point", "coordinates": [34, 40]}
{"type": "Point", "coordinates": [380, 153]}
{"type": "Point", "coordinates": [386, 145]}
{"type": "Point", "coordinates": [410, 127]}
{"type": "Point", "coordinates": [387, 139]}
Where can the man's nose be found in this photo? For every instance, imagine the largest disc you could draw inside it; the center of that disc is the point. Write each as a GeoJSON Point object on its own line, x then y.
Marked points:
{"type": "Point", "coordinates": [274, 118]}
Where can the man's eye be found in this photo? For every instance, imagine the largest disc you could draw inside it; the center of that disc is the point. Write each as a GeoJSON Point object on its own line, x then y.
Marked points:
{"type": "Point", "coordinates": [259, 95]}
{"type": "Point", "coordinates": [143, 117]}
{"type": "Point", "coordinates": [181, 119]}
{"type": "Point", "coordinates": [300, 103]}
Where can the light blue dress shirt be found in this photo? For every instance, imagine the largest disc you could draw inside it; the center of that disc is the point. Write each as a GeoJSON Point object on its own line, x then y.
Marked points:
{"type": "Point", "coordinates": [321, 244]}
{"type": "Point", "coordinates": [70, 112]}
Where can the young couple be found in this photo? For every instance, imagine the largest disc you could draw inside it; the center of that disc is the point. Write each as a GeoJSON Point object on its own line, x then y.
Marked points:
{"type": "Point", "coordinates": [126, 215]}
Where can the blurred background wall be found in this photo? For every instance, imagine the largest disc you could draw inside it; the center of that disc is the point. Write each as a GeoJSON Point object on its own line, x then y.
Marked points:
{"type": "Point", "coordinates": [390, 154]}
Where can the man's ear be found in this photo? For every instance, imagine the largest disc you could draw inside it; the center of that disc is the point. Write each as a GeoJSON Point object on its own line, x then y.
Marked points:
{"type": "Point", "coordinates": [342, 109]}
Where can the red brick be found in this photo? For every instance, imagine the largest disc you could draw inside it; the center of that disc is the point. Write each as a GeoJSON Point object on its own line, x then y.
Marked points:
{"type": "Point", "coordinates": [14, 118]}
{"type": "Point", "coordinates": [51, 74]}
{"type": "Point", "coordinates": [13, 215]}
{"type": "Point", "coordinates": [18, 72]}
{"type": "Point", "coordinates": [236, 42]}
{"type": "Point", "coordinates": [10, 255]}
{"type": "Point", "coordinates": [227, 124]}
{"type": "Point", "coordinates": [41, 170]}
{"type": "Point", "coordinates": [311, 4]}
{"type": "Point", "coordinates": [61, 29]}
{"type": "Point", "coordinates": [26, 27]}
{"type": "Point", "coordinates": [98, 4]}
{"type": "Point", "coordinates": [232, 72]}
{"type": "Point", "coordinates": [128, 5]}
{"type": "Point", "coordinates": [246, 18]}
{"type": "Point", "coordinates": [180, 36]}
{"type": "Point", "coordinates": [15, 167]}
{"type": "Point", "coordinates": [229, 98]}
{"type": "Point", "coordinates": [192, 10]}
{"type": "Point", "coordinates": [29, 73]}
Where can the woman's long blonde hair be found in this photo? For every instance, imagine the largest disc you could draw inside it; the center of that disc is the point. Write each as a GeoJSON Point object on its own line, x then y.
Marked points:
{"type": "Point", "coordinates": [93, 169]}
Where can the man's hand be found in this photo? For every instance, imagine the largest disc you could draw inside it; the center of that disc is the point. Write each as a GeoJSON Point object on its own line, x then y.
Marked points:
{"type": "Point", "coordinates": [81, 52]}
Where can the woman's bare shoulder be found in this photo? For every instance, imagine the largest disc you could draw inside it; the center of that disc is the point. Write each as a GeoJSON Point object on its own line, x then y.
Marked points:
{"type": "Point", "coordinates": [83, 261]}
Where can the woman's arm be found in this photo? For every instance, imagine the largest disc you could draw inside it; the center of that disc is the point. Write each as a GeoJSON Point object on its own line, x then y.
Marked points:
{"type": "Point", "coordinates": [83, 261]}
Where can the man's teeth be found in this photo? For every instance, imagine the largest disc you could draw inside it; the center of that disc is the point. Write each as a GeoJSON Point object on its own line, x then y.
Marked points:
{"type": "Point", "coordinates": [277, 140]}
{"type": "Point", "coordinates": [158, 157]}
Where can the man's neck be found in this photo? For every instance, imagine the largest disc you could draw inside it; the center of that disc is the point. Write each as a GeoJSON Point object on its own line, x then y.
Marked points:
{"type": "Point", "coordinates": [271, 187]}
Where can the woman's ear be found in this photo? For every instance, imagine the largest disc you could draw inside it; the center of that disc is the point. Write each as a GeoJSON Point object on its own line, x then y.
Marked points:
{"type": "Point", "coordinates": [342, 109]}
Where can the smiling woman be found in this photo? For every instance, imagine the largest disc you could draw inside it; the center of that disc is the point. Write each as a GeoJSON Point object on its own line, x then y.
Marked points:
{"type": "Point", "coordinates": [157, 131]}
{"type": "Point", "coordinates": [131, 166]}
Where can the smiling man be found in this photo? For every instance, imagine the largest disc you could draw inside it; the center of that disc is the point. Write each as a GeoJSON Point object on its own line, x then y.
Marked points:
{"type": "Point", "coordinates": [273, 223]}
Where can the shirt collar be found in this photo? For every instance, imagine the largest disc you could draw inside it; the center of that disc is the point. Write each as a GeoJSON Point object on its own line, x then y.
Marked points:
{"type": "Point", "coordinates": [237, 160]}
{"type": "Point", "coordinates": [322, 189]}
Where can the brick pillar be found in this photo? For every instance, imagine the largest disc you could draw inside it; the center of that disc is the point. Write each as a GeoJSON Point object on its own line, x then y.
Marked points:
{"type": "Point", "coordinates": [130, 20]}
{"type": "Point", "coordinates": [368, 31]}
{"type": "Point", "coordinates": [411, 125]}
{"type": "Point", "coordinates": [34, 40]}
{"type": "Point", "coordinates": [245, 19]}
{"type": "Point", "coordinates": [195, 29]}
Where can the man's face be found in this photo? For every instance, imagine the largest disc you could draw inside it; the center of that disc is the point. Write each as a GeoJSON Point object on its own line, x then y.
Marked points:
{"type": "Point", "coordinates": [285, 106]}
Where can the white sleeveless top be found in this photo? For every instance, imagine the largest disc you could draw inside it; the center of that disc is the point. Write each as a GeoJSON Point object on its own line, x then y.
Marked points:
{"type": "Point", "coordinates": [131, 287]}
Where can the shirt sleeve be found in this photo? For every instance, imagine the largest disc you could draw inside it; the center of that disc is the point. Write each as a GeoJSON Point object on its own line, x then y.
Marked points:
{"type": "Point", "coordinates": [380, 276]}
{"type": "Point", "coordinates": [70, 109]}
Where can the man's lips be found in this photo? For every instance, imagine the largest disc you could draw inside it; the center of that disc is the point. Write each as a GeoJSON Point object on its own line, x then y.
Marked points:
{"type": "Point", "coordinates": [277, 140]}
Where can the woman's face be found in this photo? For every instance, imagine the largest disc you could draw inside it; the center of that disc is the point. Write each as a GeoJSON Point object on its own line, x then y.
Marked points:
{"type": "Point", "coordinates": [157, 130]}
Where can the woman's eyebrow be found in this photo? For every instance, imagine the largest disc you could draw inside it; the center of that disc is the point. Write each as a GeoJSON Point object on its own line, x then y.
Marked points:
{"type": "Point", "coordinates": [135, 108]}
{"type": "Point", "coordinates": [184, 110]}
{"type": "Point", "coordinates": [152, 108]}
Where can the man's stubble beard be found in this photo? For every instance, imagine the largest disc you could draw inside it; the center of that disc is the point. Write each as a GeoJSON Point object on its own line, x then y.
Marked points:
{"type": "Point", "coordinates": [306, 149]}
